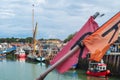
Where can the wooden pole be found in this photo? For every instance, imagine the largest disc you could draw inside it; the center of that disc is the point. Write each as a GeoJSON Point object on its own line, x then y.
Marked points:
{"type": "Point", "coordinates": [70, 53]}
{"type": "Point", "coordinates": [118, 62]}
{"type": "Point", "coordinates": [114, 60]}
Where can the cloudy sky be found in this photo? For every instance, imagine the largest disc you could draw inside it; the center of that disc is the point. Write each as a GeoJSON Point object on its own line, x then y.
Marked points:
{"type": "Point", "coordinates": [56, 18]}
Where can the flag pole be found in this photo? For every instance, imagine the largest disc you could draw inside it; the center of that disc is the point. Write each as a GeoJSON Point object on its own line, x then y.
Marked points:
{"type": "Point", "coordinates": [70, 53]}
{"type": "Point", "coordinates": [42, 76]}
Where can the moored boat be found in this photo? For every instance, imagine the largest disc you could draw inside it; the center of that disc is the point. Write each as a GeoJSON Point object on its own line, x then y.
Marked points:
{"type": "Point", "coordinates": [98, 69]}
{"type": "Point", "coordinates": [21, 54]}
{"type": "Point", "coordinates": [40, 59]}
{"type": "Point", "coordinates": [98, 74]}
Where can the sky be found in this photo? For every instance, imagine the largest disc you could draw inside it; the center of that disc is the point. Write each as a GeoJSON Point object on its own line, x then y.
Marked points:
{"type": "Point", "coordinates": [55, 18]}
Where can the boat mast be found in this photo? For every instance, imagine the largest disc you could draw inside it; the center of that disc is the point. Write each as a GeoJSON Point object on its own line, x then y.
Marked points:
{"type": "Point", "coordinates": [34, 39]}
{"type": "Point", "coordinates": [33, 52]}
{"type": "Point", "coordinates": [33, 17]}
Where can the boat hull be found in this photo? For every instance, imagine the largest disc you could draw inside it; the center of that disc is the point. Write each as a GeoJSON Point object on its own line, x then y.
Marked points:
{"type": "Point", "coordinates": [35, 58]}
{"type": "Point", "coordinates": [98, 74]}
{"type": "Point", "coordinates": [40, 59]}
{"type": "Point", "coordinates": [22, 55]}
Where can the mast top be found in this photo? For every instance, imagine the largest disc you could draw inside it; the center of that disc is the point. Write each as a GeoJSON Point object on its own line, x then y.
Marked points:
{"type": "Point", "coordinates": [96, 15]}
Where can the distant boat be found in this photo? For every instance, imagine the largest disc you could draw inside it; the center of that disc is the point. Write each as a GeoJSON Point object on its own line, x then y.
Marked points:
{"type": "Point", "coordinates": [5, 51]}
{"type": "Point", "coordinates": [21, 59]}
{"type": "Point", "coordinates": [8, 50]}
{"type": "Point", "coordinates": [20, 53]}
{"type": "Point", "coordinates": [32, 55]}
{"type": "Point", "coordinates": [40, 59]}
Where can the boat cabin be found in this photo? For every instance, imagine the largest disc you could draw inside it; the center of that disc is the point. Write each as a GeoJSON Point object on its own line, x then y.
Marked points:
{"type": "Point", "coordinates": [98, 69]}
{"type": "Point", "coordinates": [97, 66]}
{"type": "Point", "coordinates": [101, 67]}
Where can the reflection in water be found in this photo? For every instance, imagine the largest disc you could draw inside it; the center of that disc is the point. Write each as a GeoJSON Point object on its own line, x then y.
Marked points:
{"type": "Point", "coordinates": [96, 78]}
{"type": "Point", "coordinates": [70, 75]}
{"type": "Point", "coordinates": [41, 64]}
{"type": "Point", "coordinates": [74, 75]}
{"type": "Point", "coordinates": [2, 58]}
{"type": "Point", "coordinates": [21, 59]}
{"type": "Point", "coordinates": [22, 70]}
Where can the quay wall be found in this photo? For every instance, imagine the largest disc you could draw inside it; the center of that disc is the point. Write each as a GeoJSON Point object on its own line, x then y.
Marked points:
{"type": "Point", "coordinates": [113, 63]}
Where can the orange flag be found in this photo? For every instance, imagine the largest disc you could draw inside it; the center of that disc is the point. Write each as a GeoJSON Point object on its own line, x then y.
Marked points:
{"type": "Point", "coordinates": [99, 42]}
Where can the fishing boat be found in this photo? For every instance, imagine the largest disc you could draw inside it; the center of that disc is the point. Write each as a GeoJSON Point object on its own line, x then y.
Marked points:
{"type": "Point", "coordinates": [35, 54]}
{"type": "Point", "coordinates": [40, 59]}
{"type": "Point", "coordinates": [21, 54]}
{"type": "Point", "coordinates": [32, 56]}
{"type": "Point", "coordinates": [98, 69]}
{"type": "Point", "coordinates": [35, 58]}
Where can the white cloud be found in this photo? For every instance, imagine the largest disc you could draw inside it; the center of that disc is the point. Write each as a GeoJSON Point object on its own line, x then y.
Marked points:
{"type": "Point", "coordinates": [56, 18]}
{"type": "Point", "coordinates": [40, 1]}
{"type": "Point", "coordinates": [5, 14]}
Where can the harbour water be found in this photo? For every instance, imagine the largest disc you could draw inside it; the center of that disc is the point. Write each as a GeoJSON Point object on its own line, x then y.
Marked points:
{"type": "Point", "coordinates": [22, 70]}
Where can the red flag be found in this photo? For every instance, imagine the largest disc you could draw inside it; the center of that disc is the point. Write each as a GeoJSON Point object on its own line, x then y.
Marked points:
{"type": "Point", "coordinates": [99, 42]}
{"type": "Point", "coordinates": [88, 28]}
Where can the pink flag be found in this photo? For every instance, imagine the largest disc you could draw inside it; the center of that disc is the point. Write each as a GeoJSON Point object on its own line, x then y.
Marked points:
{"type": "Point", "coordinates": [88, 28]}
